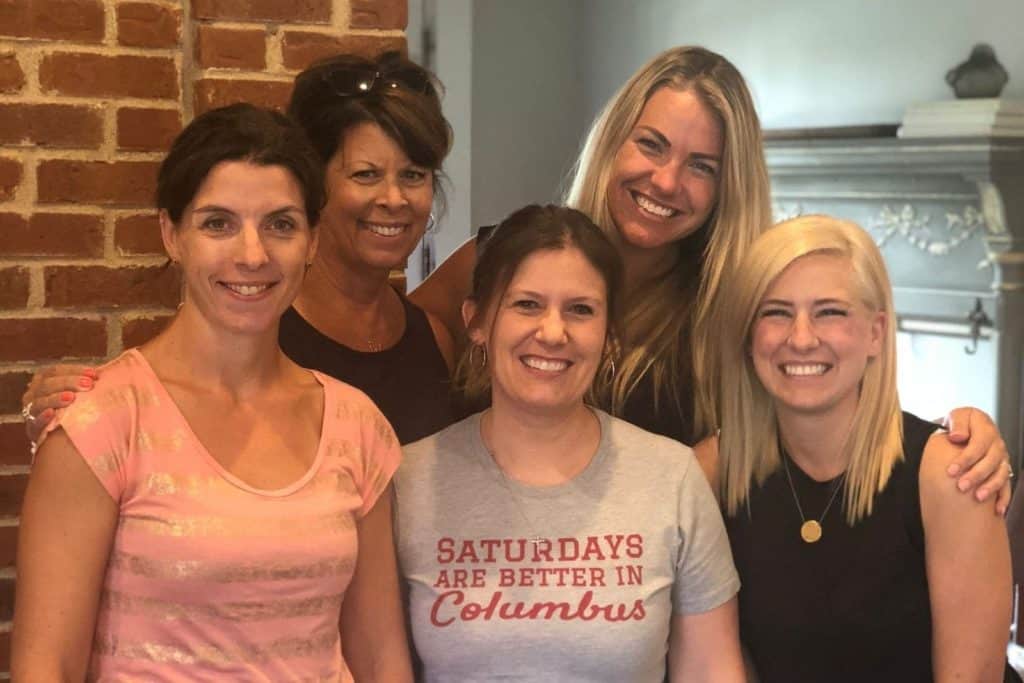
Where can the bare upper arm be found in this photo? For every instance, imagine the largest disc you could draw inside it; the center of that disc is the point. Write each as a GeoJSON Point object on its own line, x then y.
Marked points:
{"type": "Point", "coordinates": [968, 565]}
{"type": "Point", "coordinates": [706, 646]}
{"type": "Point", "coordinates": [68, 522]}
{"type": "Point", "coordinates": [707, 457]}
{"type": "Point", "coordinates": [445, 343]}
{"type": "Point", "coordinates": [372, 624]}
{"type": "Point", "coordinates": [444, 290]}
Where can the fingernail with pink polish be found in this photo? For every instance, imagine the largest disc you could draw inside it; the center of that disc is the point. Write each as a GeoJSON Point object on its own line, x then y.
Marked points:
{"type": "Point", "coordinates": [85, 382]}
{"type": "Point", "coordinates": [67, 396]}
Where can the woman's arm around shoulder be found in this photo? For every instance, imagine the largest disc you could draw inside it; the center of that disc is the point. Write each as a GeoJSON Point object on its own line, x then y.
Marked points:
{"type": "Point", "coordinates": [706, 646]}
{"type": "Point", "coordinates": [968, 563]}
{"type": "Point", "coordinates": [373, 633]}
{"type": "Point", "coordinates": [444, 290]}
{"type": "Point", "coordinates": [68, 522]}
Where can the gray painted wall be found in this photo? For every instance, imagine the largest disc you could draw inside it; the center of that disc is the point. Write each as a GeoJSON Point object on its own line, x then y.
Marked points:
{"type": "Point", "coordinates": [832, 63]}
{"type": "Point", "coordinates": [527, 102]}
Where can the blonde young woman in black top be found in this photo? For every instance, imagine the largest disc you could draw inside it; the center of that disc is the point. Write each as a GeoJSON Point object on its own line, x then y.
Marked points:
{"type": "Point", "coordinates": [859, 558]}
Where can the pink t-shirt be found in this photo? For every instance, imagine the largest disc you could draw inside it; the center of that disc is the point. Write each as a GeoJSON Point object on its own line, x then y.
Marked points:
{"type": "Point", "coordinates": [210, 578]}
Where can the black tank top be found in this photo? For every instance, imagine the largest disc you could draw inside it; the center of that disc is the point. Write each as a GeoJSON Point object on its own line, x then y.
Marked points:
{"type": "Point", "coordinates": [408, 382]}
{"type": "Point", "coordinates": [851, 607]}
{"type": "Point", "coordinates": [672, 418]}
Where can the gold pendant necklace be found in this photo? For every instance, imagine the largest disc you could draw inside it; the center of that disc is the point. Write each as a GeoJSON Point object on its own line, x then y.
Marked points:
{"type": "Point", "coordinates": [810, 529]}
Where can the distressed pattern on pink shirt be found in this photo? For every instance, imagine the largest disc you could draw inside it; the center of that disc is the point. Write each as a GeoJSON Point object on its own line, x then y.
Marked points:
{"type": "Point", "coordinates": [209, 578]}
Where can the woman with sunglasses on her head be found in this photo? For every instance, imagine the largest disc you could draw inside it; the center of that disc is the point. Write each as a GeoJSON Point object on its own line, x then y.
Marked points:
{"type": "Point", "coordinates": [196, 516]}
{"type": "Point", "coordinates": [673, 172]}
{"type": "Point", "coordinates": [543, 539]}
{"type": "Point", "coordinates": [859, 560]}
{"type": "Point", "coordinates": [377, 127]}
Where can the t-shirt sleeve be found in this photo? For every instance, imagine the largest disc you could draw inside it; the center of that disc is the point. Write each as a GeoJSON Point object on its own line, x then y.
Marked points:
{"type": "Point", "coordinates": [380, 455]}
{"type": "Point", "coordinates": [705, 574]}
{"type": "Point", "coordinates": [98, 424]}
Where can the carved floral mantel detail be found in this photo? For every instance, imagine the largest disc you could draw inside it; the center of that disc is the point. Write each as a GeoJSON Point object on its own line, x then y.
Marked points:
{"type": "Point", "coordinates": [783, 212]}
{"type": "Point", "coordinates": [916, 228]}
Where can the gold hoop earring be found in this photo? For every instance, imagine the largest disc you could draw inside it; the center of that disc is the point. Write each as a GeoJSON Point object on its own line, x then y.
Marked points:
{"type": "Point", "coordinates": [483, 359]}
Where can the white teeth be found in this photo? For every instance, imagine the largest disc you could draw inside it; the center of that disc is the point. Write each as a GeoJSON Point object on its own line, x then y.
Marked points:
{"type": "Point", "coordinates": [545, 364]}
{"type": "Point", "coordinates": [247, 290]}
{"type": "Point", "coordinates": [385, 230]}
{"type": "Point", "coordinates": [805, 369]}
{"type": "Point", "coordinates": [651, 207]}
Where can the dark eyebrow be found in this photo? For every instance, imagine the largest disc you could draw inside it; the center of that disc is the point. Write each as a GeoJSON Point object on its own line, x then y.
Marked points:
{"type": "Point", "coordinates": [214, 208]}
{"type": "Point", "coordinates": [537, 295]}
{"type": "Point", "coordinates": [291, 208]}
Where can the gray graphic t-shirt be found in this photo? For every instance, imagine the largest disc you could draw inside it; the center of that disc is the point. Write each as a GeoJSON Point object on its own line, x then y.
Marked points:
{"type": "Point", "coordinates": [575, 582]}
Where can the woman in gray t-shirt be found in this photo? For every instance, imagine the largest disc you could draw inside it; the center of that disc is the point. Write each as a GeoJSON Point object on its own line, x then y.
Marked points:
{"type": "Point", "coordinates": [543, 539]}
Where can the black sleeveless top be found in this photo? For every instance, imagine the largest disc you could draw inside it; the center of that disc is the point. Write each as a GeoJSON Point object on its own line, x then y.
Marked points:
{"type": "Point", "coordinates": [671, 418]}
{"type": "Point", "coordinates": [851, 607]}
{"type": "Point", "coordinates": [408, 382]}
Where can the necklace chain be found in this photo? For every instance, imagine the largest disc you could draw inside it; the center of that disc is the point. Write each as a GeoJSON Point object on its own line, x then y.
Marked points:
{"type": "Point", "coordinates": [507, 485]}
{"type": "Point", "coordinates": [810, 529]}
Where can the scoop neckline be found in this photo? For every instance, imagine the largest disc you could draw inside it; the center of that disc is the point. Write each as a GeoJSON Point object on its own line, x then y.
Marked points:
{"type": "Point", "coordinates": [402, 338]}
{"type": "Point", "coordinates": [215, 464]}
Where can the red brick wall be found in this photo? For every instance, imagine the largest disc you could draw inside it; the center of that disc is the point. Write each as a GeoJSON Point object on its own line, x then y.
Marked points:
{"type": "Point", "coordinates": [91, 93]}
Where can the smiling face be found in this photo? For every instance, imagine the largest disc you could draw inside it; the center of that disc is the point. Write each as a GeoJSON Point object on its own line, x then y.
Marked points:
{"type": "Point", "coordinates": [664, 181]}
{"type": "Point", "coordinates": [546, 335]}
{"type": "Point", "coordinates": [243, 243]}
{"type": "Point", "coordinates": [378, 201]}
{"type": "Point", "coordinates": [813, 337]}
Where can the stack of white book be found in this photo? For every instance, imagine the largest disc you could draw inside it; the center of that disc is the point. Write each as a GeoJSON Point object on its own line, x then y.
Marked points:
{"type": "Point", "coordinates": [984, 117]}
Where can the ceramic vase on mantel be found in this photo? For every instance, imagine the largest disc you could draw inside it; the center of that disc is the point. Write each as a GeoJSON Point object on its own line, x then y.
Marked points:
{"type": "Point", "coordinates": [981, 76]}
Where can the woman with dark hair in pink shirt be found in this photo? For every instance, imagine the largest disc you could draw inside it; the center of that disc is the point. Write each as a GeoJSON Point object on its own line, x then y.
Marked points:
{"type": "Point", "coordinates": [197, 515]}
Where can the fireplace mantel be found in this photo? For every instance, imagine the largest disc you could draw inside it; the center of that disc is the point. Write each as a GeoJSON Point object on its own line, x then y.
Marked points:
{"type": "Point", "coordinates": [949, 216]}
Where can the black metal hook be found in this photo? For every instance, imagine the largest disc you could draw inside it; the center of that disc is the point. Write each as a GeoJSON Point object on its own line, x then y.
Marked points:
{"type": "Point", "coordinates": [977, 317]}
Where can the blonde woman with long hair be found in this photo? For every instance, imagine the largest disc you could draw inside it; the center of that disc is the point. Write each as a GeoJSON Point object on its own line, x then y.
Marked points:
{"type": "Point", "coordinates": [859, 559]}
{"type": "Point", "coordinates": [673, 172]}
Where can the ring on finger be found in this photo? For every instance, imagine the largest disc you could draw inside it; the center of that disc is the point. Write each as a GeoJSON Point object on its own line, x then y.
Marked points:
{"type": "Point", "coordinates": [26, 413]}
